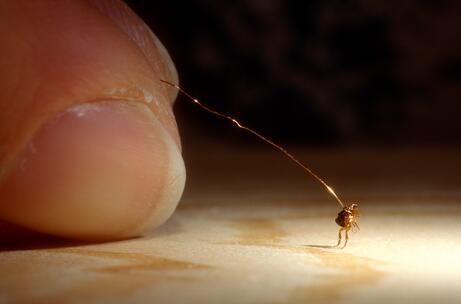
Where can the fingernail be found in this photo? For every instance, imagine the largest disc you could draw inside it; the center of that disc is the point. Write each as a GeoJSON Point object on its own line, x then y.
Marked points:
{"type": "Point", "coordinates": [153, 52]}
{"type": "Point", "coordinates": [142, 36]}
{"type": "Point", "coordinates": [97, 170]}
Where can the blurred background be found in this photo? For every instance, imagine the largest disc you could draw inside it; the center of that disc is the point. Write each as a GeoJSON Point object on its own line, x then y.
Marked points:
{"type": "Point", "coordinates": [317, 72]}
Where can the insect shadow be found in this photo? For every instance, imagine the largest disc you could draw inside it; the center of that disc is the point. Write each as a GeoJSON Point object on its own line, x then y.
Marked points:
{"type": "Point", "coordinates": [322, 246]}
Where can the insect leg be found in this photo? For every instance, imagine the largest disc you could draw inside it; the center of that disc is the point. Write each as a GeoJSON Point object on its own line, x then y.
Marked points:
{"type": "Point", "coordinates": [347, 237]}
{"type": "Point", "coordinates": [339, 236]}
{"type": "Point", "coordinates": [357, 225]}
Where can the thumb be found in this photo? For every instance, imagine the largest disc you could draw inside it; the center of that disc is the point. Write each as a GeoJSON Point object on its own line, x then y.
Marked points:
{"type": "Point", "coordinates": [89, 147]}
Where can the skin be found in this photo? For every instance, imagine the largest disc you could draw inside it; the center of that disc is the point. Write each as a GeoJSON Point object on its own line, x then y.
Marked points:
{"type": "Point", "coordinates": [89, 147]}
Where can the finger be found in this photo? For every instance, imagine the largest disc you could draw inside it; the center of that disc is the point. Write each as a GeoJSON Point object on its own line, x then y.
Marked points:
{"type": "Point", "coordinates": [89, 144]}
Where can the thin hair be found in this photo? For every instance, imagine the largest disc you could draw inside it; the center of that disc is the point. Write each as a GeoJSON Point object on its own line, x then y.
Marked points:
{"type": "Point", "coordinates": [278, 147]}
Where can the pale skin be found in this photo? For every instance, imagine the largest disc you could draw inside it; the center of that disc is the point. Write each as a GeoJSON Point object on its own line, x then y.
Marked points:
{"type": "Point", "coordinates": [89, 147]}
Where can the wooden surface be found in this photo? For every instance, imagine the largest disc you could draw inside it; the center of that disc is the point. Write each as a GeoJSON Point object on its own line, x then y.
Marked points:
{"type": "Point", "coordinates": [252, 228]}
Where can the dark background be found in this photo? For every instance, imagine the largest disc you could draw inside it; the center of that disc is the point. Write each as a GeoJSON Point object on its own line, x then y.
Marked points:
{"type": "Point", "coordinates": [317, 72]}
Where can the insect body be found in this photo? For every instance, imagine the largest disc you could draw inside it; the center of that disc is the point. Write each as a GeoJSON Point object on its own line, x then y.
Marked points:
{"type": "Point", "coordinates": [347, 220]}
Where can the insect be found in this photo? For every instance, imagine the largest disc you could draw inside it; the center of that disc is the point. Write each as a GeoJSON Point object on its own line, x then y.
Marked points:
{"type": "Point", "coordinates": [346, 219]}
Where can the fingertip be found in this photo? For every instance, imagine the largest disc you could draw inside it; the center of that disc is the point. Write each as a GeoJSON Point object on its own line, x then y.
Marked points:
{"type": "Point", "coordinates": [99, 170]}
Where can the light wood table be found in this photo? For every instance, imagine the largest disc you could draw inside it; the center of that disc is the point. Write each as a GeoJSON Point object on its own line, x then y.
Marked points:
{"type": "Point", "coordinates": [250, 229]}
